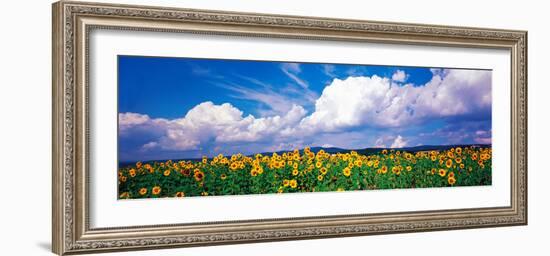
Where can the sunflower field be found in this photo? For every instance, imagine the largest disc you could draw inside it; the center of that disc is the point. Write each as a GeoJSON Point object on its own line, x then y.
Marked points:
{"type": "Point", "coordinates": [306, 171]}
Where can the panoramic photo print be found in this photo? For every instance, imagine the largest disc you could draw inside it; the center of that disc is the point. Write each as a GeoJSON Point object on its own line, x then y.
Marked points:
{"type": "Point", "coordinates": [210, 127]}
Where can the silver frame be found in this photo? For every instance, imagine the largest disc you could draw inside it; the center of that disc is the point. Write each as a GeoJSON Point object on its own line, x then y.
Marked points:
{"type": "Point", "coordinates": [72, 22]}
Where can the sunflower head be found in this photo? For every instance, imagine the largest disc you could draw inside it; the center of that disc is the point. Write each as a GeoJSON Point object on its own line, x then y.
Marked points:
{"type": "Point", "coordinates": [293, 183]}
{"type": "Point", "coordinates": [199, 176]}
{"type": "Point", "coordinates": [156, 190]}
{"type": "Point", "coordinates": [254, 172]}
{"type": "Point", "coordinates": [143, 191]}
{"type": "Point", "coordinates": [347, 171]}
{"type": "Point", "coordinates": [449, 163]}
{"type": "Point", "coordinates": [451, 180]}
{"type": "Point", "coordinates": [286, 183]}
{"type": "Point", "coordinates": [124, 195]}
{"type": "Point", "coordinates": [318, 164]}
{"type": "Point", "coordinates": [186, 172]}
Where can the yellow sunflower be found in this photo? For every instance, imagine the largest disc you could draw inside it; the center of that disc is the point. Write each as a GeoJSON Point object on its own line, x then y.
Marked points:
{"type": "Point", "coordinates": [254, 172]}
{"type": "Point", "coordinates": [143, 191]}
{"type": "Point", "coordinates": [156, 190]}
{"type": "Point", "coordinates": [396, 170]}
{"type": "Point", "coordinates": [318, 164]}
{"type": "Point", "coordinates": [347, 171]}
{"type": "Point", "coordinates": [132, 172]}
{"type": "Point", "coordinates": [451, 180]}
{"type": "Point", "coordinates": [293, 183]}
{"type": "Point", "coordinates": [199, 176]}
{"type": "Point", "coordinates": [124, 195]}
{"type": "Point", "coordinates": [286, 183]}
{"type": "Point", "coordinates": [449, 163]}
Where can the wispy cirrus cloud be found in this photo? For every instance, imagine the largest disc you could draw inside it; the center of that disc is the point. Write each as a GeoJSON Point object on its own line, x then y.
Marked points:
{"type": "Point", "coordinates": [329, 70]}
{"type": "Point", "coordinates": [278, 99]}
{"type": "Point", "coordinates": [277, 103]}
{"type": "Point", "coordinates": [292, 70]}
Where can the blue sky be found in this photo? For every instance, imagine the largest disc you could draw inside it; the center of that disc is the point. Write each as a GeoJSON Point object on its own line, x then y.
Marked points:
{"type": "Point", "coordinates": [185, 108]}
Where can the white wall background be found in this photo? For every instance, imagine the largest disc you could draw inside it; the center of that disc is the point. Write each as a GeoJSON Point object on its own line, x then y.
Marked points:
{"type": "Point", "coordinates": [25, 114]}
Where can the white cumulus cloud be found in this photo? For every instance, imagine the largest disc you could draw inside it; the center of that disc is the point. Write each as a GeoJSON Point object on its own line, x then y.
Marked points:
{"type": "Point", "coordinates": [127, 120]}
{"type": "Point", "coordinates": [399, 142]}
{"type": "Point", "coordinates": [399, 76]}
{"type": "Point", "coordinates": [375, 101]}
{"type": "Point", "coordinates": [220, 123]}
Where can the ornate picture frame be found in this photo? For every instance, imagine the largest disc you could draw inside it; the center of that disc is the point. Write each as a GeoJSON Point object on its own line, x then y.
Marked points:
{"type": "Point", "coordinates": [72, 24]}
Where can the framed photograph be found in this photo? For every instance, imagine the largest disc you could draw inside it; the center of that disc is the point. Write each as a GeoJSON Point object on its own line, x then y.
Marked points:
{"type": "Point", "coordinates": [178, 127]}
